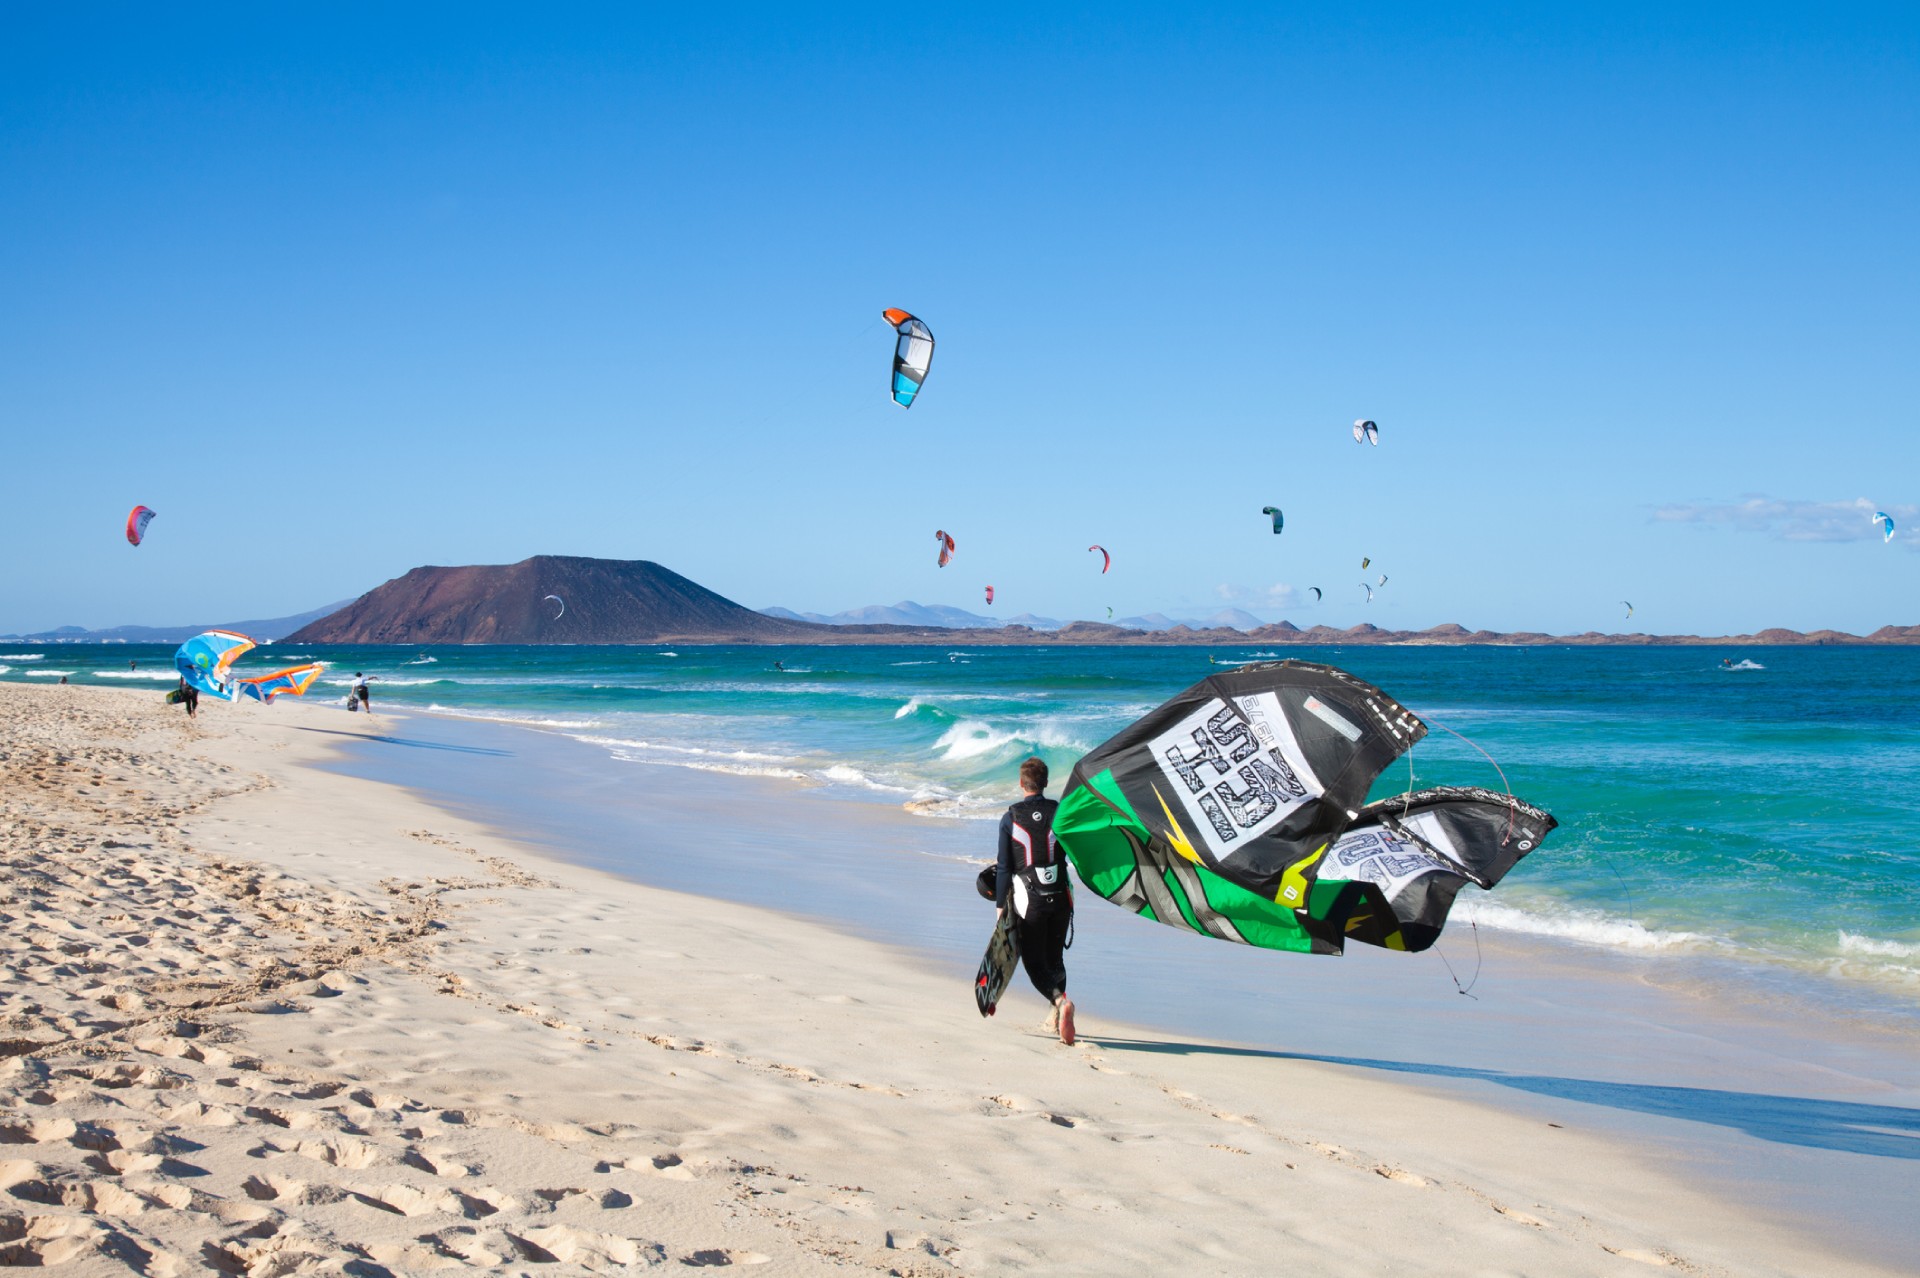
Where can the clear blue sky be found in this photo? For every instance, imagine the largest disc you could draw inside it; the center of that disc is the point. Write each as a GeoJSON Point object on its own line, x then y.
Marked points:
{"type": "Point", "coordinates": [339, 291]}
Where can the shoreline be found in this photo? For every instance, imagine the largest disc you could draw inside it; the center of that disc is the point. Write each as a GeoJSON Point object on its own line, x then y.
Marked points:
{"type": "Point", "coordinates": [1665, 1053]}
{"type": "Point", "coordinates": [488, 1050]}
{"type": "Point", "coordinates": [1706, 966]}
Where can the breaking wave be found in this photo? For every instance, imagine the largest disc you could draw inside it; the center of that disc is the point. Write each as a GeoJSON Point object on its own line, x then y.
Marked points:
{"type": "Point", "coordinates": [524, 719]}
{"type": "Point", "coordinates": [1588, 927]}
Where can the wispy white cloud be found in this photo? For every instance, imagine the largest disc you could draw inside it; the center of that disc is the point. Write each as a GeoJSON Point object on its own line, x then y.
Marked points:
{"type": "Point", "coordinates": [1279, 595]}
{"type": "Point", "coordinates": [1793, 520]}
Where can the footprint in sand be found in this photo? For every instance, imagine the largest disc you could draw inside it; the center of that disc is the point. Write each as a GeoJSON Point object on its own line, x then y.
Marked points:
{"type": "Point", "coordinates": [438, 1162]}
{"type": "Point", "coordinates": [1655, 1258]}
{"type": "Point", "coordinates": [45, 1240]}
{"type": "Point", "coordinates": [669, 1165]}
{"type": "Point", "coordinates": [481, 1202]}
{"type": "Point", "coordinates": [405, 1200]}
{"type": "Point", "coordinates": [350, 1154]}
{"type": "Point", "coordinates": [1521, 1217]}
{"type": "Point", "coordinates": [716, 1256]}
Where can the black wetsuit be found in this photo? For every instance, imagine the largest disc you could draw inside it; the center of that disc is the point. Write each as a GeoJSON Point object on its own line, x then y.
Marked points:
{"type": "Point", "coordinates": [1042, 901]}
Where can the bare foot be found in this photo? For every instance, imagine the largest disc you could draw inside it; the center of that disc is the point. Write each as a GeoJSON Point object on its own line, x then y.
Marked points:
{"type": "Point", "coordinates": [1065, 1008]}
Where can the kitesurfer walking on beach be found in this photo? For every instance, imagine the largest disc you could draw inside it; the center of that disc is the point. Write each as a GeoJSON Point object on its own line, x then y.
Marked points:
{"type": "Point", "coordinates": [189, 696]}
{"type": "Point", "coordinates": [360, 690]}
{"type": "Point", "coordinates": [1032, 882]}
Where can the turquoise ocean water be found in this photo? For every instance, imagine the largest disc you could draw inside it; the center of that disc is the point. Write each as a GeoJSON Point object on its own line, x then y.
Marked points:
{"type": "Point", "coordinates": [1764, 814]}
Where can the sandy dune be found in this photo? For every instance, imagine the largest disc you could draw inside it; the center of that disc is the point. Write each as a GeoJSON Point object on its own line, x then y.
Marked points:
{"type": "Point", "coordinates": [263, 1019]}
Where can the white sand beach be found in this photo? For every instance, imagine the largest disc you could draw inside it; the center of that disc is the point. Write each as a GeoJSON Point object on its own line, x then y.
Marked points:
{"type": "Point", "coordinates": [265, 1019]}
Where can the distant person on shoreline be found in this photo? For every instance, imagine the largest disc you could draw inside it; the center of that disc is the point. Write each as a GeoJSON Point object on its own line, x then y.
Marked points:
{"type": "Point", "coordinates": [361, 691]}
{"type": "Point", "coordinates": [1032, 882]}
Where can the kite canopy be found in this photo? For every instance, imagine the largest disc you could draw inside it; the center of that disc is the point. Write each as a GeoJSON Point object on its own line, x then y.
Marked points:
{"type": "Point", "coordinates": [294, 680]}
{"type": "Point", "coordinates": [1629, 610]}
{"type": "Point", "coordinates": [1316, 593]}
{"type": "Point", "coordinates": [946, 547]}
{"type": "Point", "coordinates": [989, 595]}
{"type": "Point", "coordinates": [1880, 517]}
{"type": "Point", "coordinates": [1235, 810]}
{"type": "Point", "coordinates": [557, 599]}
{"type": "Point", "coordinates": [1364, 561]}
{"type": "Point", "coordinates": [1396, 870]}
{"type": "Point", "coordinates": [912, 355]}
{"type": "Point", "coordinates": [203, 661]}
{"type": "Point", "coordinates": [1279, 520]}
{"type": "Point", "coordinates": [1106, 560]}
{"type": "Point", "coordinates": [1366, 430]}
{"type": "Point", "coordinates": [137, 520]}
{"type": "Point", "coordinates": [1369, 589]}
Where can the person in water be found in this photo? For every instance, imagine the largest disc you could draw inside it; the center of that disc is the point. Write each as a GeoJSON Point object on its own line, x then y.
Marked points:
{"type": "Point", "coordinates": [1031, 880]}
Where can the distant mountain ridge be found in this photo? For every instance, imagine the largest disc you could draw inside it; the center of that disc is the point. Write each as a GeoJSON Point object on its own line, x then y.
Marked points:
{"type": "Point", "coordinates": [909, 613]}
{"type": "Point", "coordinates": [270, 629]}
{"type": "Point", "coordinates": [615, 601]}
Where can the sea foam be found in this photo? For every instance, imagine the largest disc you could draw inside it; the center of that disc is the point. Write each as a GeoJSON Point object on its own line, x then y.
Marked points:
{"type": "Point", "coordinates": [1589, 927]}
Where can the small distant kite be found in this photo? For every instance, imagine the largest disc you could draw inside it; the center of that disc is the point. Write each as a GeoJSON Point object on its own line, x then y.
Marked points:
{"type": "Point", "coordinates": [1364, 429]}
{"type": "Point", "coordinates": [1364, 561]}
{"type": "Point", "coordinates": [912, 355]}
{"type": "Point", "coordinates": [1880, 517]}
{"type": "Point", "coordinates": [557, 599]}
{"type": "Point", "coordinates": [946, 547]}
{"type": "Point", "coordinates": [1383, 579]}
{"type": "Point", "coordinates": [989, 596]}
{"type": "Point", "coordinates": [1279, 520]}
{"type": "Point", "coordinates": [1106, 560]}
{"type": "Point", "coordinates": [1109, 614]}
{"type": "Point", "coordinates": [141, 516]}
{"type": "Point", "coordinates": [1369, 589]}
{"type": "Point", "coordinates": [1316, 593]}
{"type": "Point", "coordinates": [1629, 615]}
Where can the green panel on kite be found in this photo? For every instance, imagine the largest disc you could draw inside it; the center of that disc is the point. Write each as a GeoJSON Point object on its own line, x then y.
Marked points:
{"type": "Point", "coordinates": [1118, 855]}
{"type": "Point", "coordinates": [1237, 810]}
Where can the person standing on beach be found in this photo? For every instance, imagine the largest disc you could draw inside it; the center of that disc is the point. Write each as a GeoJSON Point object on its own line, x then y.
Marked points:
{"type": "Point", "coordinates": [364, 693]}
{"type": "Point", "coordinates": [190, 698]}
{"type": "Point", "coordinates": [1032, 882]}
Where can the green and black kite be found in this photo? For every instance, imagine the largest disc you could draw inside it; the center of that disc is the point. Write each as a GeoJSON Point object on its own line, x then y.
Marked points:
{"type": "Point", "coordinates": [1238, 810]}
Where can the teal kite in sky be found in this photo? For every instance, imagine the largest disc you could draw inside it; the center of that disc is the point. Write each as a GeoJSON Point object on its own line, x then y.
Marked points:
{"type": "Point", "coordinates": [912, 355]}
